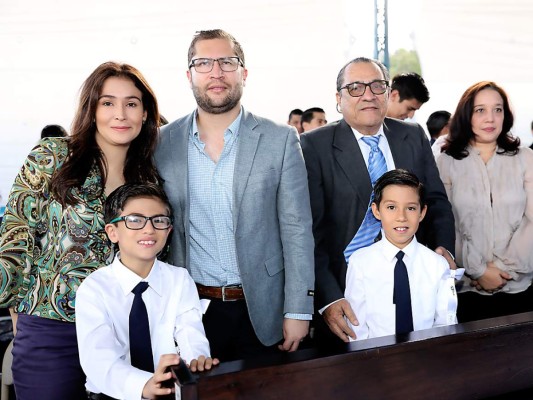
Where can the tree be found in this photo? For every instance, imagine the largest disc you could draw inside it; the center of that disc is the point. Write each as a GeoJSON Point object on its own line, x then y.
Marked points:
{"type": "Point", "coordinates": [404, 61]}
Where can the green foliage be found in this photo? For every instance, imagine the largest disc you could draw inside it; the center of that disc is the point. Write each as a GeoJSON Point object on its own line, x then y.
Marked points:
{"type": "Point", "coordinates": [404, 61]}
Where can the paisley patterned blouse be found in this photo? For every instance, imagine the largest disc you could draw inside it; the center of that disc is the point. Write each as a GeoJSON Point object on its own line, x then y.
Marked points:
{"type": "Point", "coordinates": [46, 250]}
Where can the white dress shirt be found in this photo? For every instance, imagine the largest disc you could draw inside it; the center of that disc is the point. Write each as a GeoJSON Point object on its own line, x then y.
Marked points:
{"type": "Point", "coordinates": [103, 304]}
{"type": "Point", "coordinates": [370, 284]}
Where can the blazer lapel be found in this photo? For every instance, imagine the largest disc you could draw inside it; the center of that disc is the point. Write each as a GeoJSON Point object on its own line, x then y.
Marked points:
{"type": "Point", "coordinates": [248, 142]}
{"type": "Point", "coordinates": [399, 148]}
{"type": "Point", "coordinates": [179, 143]}
{"type": "Point", "coordinates": [348, 154]}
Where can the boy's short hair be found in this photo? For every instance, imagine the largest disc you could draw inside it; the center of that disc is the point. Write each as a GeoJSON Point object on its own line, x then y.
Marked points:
{"type": "Point", "coordinates": [399, 177]}
{"type": "Point", "coordinates": [117, 200]}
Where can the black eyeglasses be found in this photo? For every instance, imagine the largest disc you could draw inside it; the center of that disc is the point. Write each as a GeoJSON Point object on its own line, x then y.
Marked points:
{"type": "Point", "coordinates": [357, 89]}
{"type": "Point", "coordinates": [205, 65]}
{"type": "Point", "coordinates": [136, 222]}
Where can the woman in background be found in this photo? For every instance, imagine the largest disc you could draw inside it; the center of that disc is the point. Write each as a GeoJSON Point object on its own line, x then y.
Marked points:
{"type": "Point", "coordinates": [489, 182]}
{"type": "Point", "coordinates": [52, 234]}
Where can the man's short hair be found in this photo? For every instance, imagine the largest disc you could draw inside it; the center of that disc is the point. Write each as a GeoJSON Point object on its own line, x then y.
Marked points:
{"type": "Point", "coordinates": [308, 114]}
{"type": "Point", "coordinates": [437, 121]}
{"type": "Point", "coordinates": [296, 111]}
{"type": "Point", "coordinates": [399, 177]}
{"type": "Point", "coordinates": [215, 34]}
{"type": "Point", "coordinates": [379, 64]}
{"type": "Point", "coordinates": [117, 200]}
{"type": "Point", "coordinates": [410, 85]}
{"type": "Point", "coordinates": [53, 131]}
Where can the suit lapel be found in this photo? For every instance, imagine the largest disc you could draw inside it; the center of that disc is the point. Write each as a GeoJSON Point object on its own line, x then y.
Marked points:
{"type": "Point", "coordinates": [179, 143]}
{"type": "Point", "coordinates": [348, 154]}
{"type": "Point", "coordinates": [248, 142]}
{"type": "Point", "coordinates": [397, 143]}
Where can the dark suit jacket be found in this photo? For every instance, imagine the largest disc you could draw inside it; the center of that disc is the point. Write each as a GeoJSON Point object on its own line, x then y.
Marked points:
{"type": "Point", "coordinates": [340, 191]}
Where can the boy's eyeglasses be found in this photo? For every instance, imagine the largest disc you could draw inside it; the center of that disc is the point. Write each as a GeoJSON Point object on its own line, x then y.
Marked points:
{"type": "Point", "coordinates": [136, 222]}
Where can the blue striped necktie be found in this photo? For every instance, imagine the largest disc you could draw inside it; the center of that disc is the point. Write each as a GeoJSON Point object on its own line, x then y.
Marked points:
{"type": "Point", "coordinates": [370, 226]}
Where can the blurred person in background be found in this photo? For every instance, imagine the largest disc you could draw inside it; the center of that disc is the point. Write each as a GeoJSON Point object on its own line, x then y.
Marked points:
{"type": "Point", "coordinates": [408, 93]}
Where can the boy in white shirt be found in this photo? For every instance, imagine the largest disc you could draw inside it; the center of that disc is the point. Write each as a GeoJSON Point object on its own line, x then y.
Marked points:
{"type": "Point", "coordinates": [138, 218]}
{"type": "Point", "coordinates": [370, 282]}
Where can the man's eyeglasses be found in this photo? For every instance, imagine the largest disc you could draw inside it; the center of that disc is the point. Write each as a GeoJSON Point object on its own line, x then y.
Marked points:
{"type": "Point", "coordinates": [227, 64]}
{"type": "Point", "coordinates": [357, 89]}
{"type": "Point", "coordinates": [136, 222]}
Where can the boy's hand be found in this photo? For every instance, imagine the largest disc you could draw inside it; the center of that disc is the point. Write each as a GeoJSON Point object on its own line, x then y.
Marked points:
{"type": "Point", "coordinates": [154, 387]}
{"type": "Point", "coordinates": [203, 363]}
{"type": "Point", "coordinates": [294, 331]}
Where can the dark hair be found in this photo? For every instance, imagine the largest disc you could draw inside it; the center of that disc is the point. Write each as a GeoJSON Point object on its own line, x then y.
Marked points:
{"type": "Point", "coordinates": [53, 131]}
{"type": "Point", "coordinates": [116, 201]}
{"type": "Point", "coordinates": [83, 151]}
{"type": "Point", "coordinates": [214, 34]}
{"type": "Point", "coordinates": [410, 85]}
{"type": "Point", "coordinates": [437, 121]}
{"type": "Point", "coordinates": [296, 111]}
{"type": "Point", "coordinates": [162, 120]}
{"type": "Point", "coordinates": [379, 64]}
{"type": "Point", "coordinates": [399, 177]}
{"type": "Point", "coordinates": [308, 114]}
{"type": "Point", "coordinates": [461, 133]}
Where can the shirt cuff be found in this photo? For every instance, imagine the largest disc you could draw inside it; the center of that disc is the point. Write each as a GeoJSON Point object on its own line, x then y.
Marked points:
{"type": "Point", "coordinates": [457, 273]}
{"type": "Point", "coordinates": [301, 317]}
{"type": "Point", "coordinates": [324, 308]}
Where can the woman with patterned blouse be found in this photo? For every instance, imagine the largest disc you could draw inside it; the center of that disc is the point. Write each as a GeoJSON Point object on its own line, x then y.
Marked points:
{"type": "Point", "coordinates": [52, 235]}
{"type": "Point", "coordinates": [489, 182]}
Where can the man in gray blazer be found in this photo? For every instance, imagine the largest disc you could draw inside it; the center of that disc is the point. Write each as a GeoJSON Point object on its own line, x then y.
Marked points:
{"type": "Point", "coordinates": [243, 225]}
{"type": "Point", "coordinates": [337, 158]}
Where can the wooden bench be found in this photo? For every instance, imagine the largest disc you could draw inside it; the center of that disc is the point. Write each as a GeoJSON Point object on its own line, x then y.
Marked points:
{"type": "Point", "coordinates": [475, 360]}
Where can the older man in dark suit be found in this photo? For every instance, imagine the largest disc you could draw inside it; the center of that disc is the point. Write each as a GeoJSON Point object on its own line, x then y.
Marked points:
{"type": "Point", "coordinates": [337, 158]}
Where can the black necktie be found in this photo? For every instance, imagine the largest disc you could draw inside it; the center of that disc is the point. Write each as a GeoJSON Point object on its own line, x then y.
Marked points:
{"type": "Point", "coordinates": [402, 296]}
{"type": "Point", "coordinates": [140, 344]}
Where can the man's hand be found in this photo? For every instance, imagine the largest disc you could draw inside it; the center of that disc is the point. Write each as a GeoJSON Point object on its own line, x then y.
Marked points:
{"type": "Point", "coordinates": [334, 317]}
{"type": "Point", "coordinates": [294, 331]}
{"type": "Point", "coordinates": [446, 254]}
{"type": "Point", "coordinates": [203, 363]}
{"type": "Point", "coordinates": [154, 387]}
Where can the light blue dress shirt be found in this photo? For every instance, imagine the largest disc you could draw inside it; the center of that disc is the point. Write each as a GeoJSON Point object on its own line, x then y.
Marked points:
{"type": "Point", "coordinates": [213, 256]}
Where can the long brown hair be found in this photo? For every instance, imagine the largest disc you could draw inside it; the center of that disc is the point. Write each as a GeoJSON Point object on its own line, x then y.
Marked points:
{"type": "Point", "coordinates": [84, 152]}
{"type": "Point", "coordinates": [461, 133]}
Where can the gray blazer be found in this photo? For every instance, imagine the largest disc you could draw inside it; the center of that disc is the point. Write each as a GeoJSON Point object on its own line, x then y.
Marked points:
{"type": "Point", "coordinates": [271, 217]}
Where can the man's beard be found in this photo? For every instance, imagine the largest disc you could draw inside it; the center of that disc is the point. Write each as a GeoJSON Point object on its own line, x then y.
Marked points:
{"type": "Point", "coordinates": [227, 104]}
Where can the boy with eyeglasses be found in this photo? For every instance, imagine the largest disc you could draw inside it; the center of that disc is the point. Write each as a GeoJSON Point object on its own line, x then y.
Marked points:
{"type": "Point", "coordinates": [117, 363]}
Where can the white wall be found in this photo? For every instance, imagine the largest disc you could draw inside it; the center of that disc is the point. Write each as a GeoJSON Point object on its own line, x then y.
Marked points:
{"type": "Point", "coordinates": [461, 42]}
{"type": "Point", "coordinates": [294, 50]}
